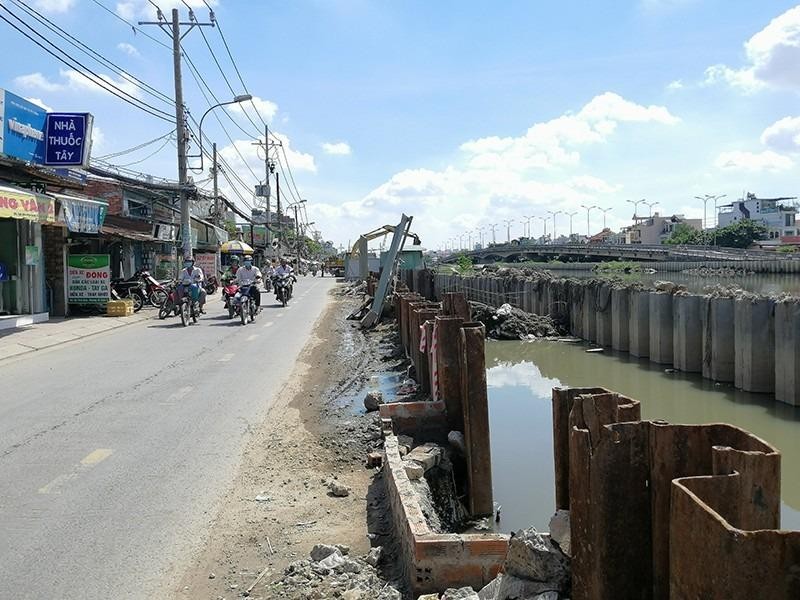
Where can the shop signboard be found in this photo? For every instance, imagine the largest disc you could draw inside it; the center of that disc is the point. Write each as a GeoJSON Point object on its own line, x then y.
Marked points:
{"type": "Point", "coordinates": [209, 262]}
{"type": "Point", "coordinates": [259, 235]}
{"type": "Point", "coordinates": [68, 139]}
{"type": "Point", "coordinates": [19, 204]}
{"type": "Point", "coordinates": [83, 216]}
{"type": "Point", "coordinates": [89, 278]}
{"type": "Point", "coordinates": [23, 128]}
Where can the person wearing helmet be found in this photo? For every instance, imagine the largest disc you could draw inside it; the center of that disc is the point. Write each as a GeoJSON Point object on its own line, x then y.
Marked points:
{"type": "Point", "coordinates": [285, 268]}
{"type": "Point", "coordinates": [191, 275]}
{"type": "Point", "coordinates": [230, 272]}
{"type": "Point", "coordinates": [250, 275]}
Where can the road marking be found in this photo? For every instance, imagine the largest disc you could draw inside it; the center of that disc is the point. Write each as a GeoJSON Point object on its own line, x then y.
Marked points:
{"type": "Point", "coordinates": [250, 338]}
{"type": "Point", "coordinates": [269, 324]}
{"type": "Point", "coordinates": [87, 462]}
{"type": "Point", "coordinates": [226, 358]}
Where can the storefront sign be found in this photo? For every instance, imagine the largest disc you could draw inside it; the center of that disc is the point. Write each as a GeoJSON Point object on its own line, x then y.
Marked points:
{"type": "Point", "coordinates": [19, 204]}
{"type": "Point", "coordinates": [209, 262]}
{"type": "Point", "coordinates": [32, 256]}
{"type": "Point", "coordinates": [68, 139]}
{"type": "Point", "coordinates": [23, 128]}
{"type": "Point", "coordinates": [259, 235]}
{"type": "Point", "coordinates": [89, 278]}
{"type": "Point", "coordinates": [83, 216]}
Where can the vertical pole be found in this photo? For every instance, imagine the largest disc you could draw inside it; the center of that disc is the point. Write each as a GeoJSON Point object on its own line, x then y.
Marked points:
{"type": "Point", "coordinates": [180, 123]}
{"type": "Point", "coordinates": [217, 204]}
{"type": "Point", "coordinates": [278, 206]}
{"type": "Point", "coordinates": [266, 180]}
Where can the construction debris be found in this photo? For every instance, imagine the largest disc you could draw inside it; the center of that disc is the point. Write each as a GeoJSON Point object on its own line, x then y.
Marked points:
{"type": "Point", "coordinates": [510, 323]}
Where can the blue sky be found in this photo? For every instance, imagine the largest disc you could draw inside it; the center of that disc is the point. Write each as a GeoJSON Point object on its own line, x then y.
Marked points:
{"type": "Point", "coordinates": [465, 113]}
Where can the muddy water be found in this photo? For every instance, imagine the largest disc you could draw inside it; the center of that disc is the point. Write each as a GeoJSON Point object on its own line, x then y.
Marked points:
{"type": "Point", "coordinates": [522, 374]}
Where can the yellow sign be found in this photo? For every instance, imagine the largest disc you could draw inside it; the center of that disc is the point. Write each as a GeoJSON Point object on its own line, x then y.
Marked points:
{"type": "Point", "coordinates": [23, 205]}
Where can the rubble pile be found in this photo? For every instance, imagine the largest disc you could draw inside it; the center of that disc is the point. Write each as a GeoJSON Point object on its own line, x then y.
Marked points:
{"type": "Point", "coordinates": [509, 323]}
{"type": "Point", "coordinates": [718, 272]}
{"type": "Point", "coordinates": [330, 572]}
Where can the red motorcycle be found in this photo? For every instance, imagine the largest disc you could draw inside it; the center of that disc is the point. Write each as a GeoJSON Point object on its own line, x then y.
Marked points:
{"type": "Point", "coordinates": [229, 289]}
{"type": "Point", "coordinates": [156, 293]}
{"type": "Point", "coordinates": [171, 304]}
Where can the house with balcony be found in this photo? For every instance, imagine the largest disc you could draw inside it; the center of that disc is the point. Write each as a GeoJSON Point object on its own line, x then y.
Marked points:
{"type": "Point", "coordinates": [777, 214]}
{"type": "Point", "coordinates": [654, 230]}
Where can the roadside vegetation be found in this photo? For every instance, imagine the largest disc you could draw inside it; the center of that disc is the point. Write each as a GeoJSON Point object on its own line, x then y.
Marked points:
{"type": "Point", "coordinates": [740, 234]}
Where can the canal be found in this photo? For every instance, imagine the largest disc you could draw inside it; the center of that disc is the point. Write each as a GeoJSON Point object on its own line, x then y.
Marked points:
{"type": "Point", "coordinates": [521, 376]}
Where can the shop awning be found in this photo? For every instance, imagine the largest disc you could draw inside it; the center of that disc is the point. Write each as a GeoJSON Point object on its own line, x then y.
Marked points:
{"type": "Point", "coordinates": [17, 203]}
{"type": "Point", "coordinates": [82, 215]}
{"type": "Point", "coordinates": [116, 226]}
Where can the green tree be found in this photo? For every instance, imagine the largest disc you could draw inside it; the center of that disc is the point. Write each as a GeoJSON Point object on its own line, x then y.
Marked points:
{"type": "Point", "coordinates": [684, 234]}
{"type": "Point", "coordinates": [464, 264]}
{"type": "Point", "coordinates": [740, 234]}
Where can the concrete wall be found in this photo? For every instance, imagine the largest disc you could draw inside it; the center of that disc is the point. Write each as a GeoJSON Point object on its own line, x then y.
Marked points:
{"type": "Point", "coordinates": [737, 340]}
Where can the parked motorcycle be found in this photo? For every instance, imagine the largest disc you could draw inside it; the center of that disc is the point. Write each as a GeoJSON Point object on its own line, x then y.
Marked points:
{"type": "Point", "coordinates": [172, 303]}
{"type": "Point", "coordinates": [155, 292]}
{"type": "Point", "coordinates": [283, 285]}
{"type": "Point", "coordinates": [243, 305]}
{"type": "Point", "coordinates": [129, 288]}
{"type": "Point", "coordinates": [211, 284]}
{"type": "Point", "coordinates": [190, 304]}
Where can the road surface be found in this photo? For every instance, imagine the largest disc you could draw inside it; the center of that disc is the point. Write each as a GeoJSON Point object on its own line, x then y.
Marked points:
{"type": "Point", "coordinates": [115, 450]}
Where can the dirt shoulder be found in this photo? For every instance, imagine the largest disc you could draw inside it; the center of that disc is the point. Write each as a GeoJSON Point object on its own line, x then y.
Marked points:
{"type": "Point", "coordinates": [280, 505]}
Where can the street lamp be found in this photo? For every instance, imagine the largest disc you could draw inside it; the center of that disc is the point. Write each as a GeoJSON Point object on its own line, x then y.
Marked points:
{"type": "Point", "coordinates": [493, 226]}
{"type": "Point", "coordinates": [651, 205]}
{"type": "Point", "coordinates": [636, 204]}
{"type": "Point", "coordinates": [544, 235]}
{"type": "Point", "coordinates": [570, 215]}
{"type": "Point", "coordinates": [236, 100]}
{"type": "Point", "coordinates": [508, 223]}
{"type": "Point", "coordinates": [705, 198]}
{"type": "Point", "coordinates": [588, 210]}
{"type": "Point", "coordinates": [604, 211]}
{"type": "Point", "coordinates": [554, 213]}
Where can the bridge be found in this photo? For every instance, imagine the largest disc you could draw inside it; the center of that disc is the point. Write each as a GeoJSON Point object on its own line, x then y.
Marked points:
{"type": "Point", "coordinates": [601, 252]}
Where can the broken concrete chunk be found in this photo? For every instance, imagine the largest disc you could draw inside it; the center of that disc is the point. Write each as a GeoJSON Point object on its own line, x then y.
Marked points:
{"type": "Point", "coordinates": [456, 440]}
{"type": "Point", "coordinates": [414, 470]}
{"type": "Point", "coordinates": [427, 455]}
{"type": "Point", "coordinates": [373, 400]}
{"type": "Point", "coordinates": [465, 593]}
{"type": "Point", "coordinates": [533, 556]}
{"type": "Point", "coordinates": [560, 531]}
{"type": "Point", "coordinates": [338, 489]}
{"type": "Point", "coordinates": [374, 459]}
{"type": "Point", "coordinates": [332, 561]}
{"type": "Point", "coordinates": [321, 551]}
{"type": "Point", "coordinates": [342, 548]}
{"type": "Point", "coordinates": [429, 597]}
{"type": "Point", "coordinates": [513, 588]}
{"type": "Point", "coordinates": [374, 555]}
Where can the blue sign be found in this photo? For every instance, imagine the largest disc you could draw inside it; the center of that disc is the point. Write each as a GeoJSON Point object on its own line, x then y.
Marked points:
{"type": "Point", "coordinates": [22, 133]}
{"type": "Point", "coordinates": [3, 272]}
{"type": "Point", "coordinates": [68, 139]}
{"type": "Point", "coordinates": [83, 216]}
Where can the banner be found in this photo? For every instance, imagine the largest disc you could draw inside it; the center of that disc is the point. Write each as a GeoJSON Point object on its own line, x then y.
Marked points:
{"type": "Point", "coordinates": [18, 204]}
{"type": "Point", "coordinates": [83, 216]}
{"type": "Point", "coordinates": [89, 279]}
{"type": "Point", "coordinates": [209, 262]}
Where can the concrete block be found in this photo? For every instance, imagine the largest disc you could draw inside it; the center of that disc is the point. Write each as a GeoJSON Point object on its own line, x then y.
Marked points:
{"type": "Point", "coordinates": [687, 340]}
{"type": "Point", "coordinates": [718, 339]}
{"type": "Point", "coordinates": [661, 328]}
{"type": "Point", "coordinates": [787, 352]}
{"type": "Point", "coordinates": [639, 324]}
{"type": "Point", "coordinates": [620, 322]}
{"type": "Point", "coordinates": [604, 315]}
{"type": "Point", "coordinates": [576, 309]}
{"type": "Point", "coordinates": [754, 345]}
{"type": "Point", "coordinates": [589, 310]}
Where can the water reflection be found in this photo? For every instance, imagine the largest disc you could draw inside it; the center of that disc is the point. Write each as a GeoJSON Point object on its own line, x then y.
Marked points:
{"type": "Point", "coordinates": [521, 375]}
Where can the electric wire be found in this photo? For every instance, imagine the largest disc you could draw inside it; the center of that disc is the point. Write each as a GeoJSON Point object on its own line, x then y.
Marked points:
{"type": "Point", "coordinates": [152, 154]}
{"type": "Point", "coordinates": [135, 148]}
{"type": "Point", "coordinates": [71, 39]}
{"type": "Point", "coordinates": [131, 25]}
{"type": "Point", "coordinates": [82, 69]}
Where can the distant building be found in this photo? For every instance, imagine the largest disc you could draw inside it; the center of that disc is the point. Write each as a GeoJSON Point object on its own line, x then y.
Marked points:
{"type": "Point", "coordinates": [655, 230]}
{"type": "Point", "coordinates": [777, 214]}
{"type": "Point", "coordinates": [604, 237]}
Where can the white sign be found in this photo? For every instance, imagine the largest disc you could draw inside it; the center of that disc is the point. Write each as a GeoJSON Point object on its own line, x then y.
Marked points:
{"type": "Point", "coordinates": [89, 278]}
{"type": "Point", "coordinates": [209, 262]}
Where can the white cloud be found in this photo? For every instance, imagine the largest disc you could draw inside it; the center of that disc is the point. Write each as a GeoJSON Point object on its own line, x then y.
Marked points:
{"type": "Point", "coordinates": [753, 161]}
{"type": "Point", "coordinates": [128, 49]}
{"type": "Point", "coordinates": [783, 135]}
{"type": "Point", "coordinates": [674, 86]}
{"type": "Point", "coordinates": [772, 57]}
{"type": "Point", "coordinates": [54, 6]}
{"type": "Point", "coordinates": [266, 108]}
{"type": "Point", "coordinates": [40, 102]}
{"type": "Point", "coordinates": [74, 81]}
{"type": "Point", "coordinates": [98, 140]}
{"type": "Point", "coordinates": [338, 148]}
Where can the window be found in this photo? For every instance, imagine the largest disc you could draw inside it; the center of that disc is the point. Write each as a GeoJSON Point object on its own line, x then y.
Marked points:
{"type": "Point", "coordinates": [788, 219]}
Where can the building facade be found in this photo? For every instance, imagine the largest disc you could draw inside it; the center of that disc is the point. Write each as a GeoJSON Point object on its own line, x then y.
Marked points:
{"type": "Point", "coordinates": [777, 214]}
{"type": "Point", "coordinates": [651, 231]}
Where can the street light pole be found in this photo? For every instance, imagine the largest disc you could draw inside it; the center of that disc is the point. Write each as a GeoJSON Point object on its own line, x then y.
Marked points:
{"type": "Point", "coordinates": [544, 235]}
{"type": "Point", "coordinates": [705, 198]}
{"type": "Point", "coordinates": [554, 213]}
{"type": "Point", "coordinates": [508, 223]}
{"type": "Point", "coordinates": [588, 210]}
{"type": "Point", "coordinates": [570, 215]}
{"type": "Point", "coordinates": [604, 211]}
{"type": "Point", "coordinates": [636, 204]}
{"type": "Point", "coordinates": [493, 226]}
{"type": "Point", "coordinates": [651, 205]}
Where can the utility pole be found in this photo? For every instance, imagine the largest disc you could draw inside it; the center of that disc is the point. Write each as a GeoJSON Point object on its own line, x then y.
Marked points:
{"type": "Point", "coordinates": [173, 30]}
{"type": "Point", "coordinates": [266, 180]}
{"type": "Point", "coordinates": [217, 203]}
{"type": "Point", "coordinates": [278, 208]}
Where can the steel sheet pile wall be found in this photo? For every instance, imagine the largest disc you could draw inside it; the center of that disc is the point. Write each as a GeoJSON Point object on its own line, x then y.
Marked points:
{"type": "Point", "coordinates": [668, 511]}
{"type": "Point", "coordinates": [749, 340]}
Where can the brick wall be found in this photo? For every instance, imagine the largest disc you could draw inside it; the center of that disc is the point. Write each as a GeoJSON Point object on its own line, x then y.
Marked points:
{"type": "Point", "coordinates": [106, 190]}
{"type": "Point", "coordinates": [433, 562]}
{"type": "Point", "coordinates": [53, 239]}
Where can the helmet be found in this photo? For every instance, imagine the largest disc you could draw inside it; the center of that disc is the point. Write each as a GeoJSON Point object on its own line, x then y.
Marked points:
{"type": "Point", "coordinates": [234, 259]}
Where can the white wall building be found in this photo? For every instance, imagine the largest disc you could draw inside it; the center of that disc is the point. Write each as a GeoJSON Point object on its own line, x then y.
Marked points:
{"type": "Point", "coordinates": [777, 214]}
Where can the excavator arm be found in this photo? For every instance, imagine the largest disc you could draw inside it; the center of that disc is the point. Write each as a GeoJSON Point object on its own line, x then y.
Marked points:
{"type": "Point", "coordinates": [381, 231]}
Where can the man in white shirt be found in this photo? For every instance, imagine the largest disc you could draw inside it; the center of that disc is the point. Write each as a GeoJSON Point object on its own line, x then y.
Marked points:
{"type": "Point", "coordinates": [189, 275]}
{"type": "Point", "coordinates": [285, 268]}
{"type": "Point", "coordinates": [250, 275]}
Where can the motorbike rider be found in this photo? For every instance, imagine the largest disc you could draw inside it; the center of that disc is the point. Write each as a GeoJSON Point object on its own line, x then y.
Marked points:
{"type": "Point", "coordinates": [251, 276]}
{"type": "Point", "coordinates": [230, 272]}
{"type": "Point", "coordinates": [189, 275]}
{"type": "Point", "coordinates": [285, 269]}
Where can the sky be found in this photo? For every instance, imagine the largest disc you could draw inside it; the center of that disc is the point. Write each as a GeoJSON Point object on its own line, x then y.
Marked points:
{"type": "Point", "coordinates": [461, 114]}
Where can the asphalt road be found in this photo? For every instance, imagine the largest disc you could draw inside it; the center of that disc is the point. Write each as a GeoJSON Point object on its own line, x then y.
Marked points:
{"type": "Point", "coordinates": [115, 450]}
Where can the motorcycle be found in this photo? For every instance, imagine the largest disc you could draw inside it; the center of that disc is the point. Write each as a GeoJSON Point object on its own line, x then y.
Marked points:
{"type": "Point", "coordinates": [129, 288]}
{"type": "Point", "coordinates": [243, 305]}
{"type": "Point", "coordinates": [155, 292]}
{"type": "Point", "coordinates": [211, 284]}
{"type": "Point", "coordinates": [171, 304]}
{"type": "Point", "coordinates": [229, 289]}
{"type": "Point", "coordinates": [283, 288]}
{"type": "Point", "coordinates": [190, 304]}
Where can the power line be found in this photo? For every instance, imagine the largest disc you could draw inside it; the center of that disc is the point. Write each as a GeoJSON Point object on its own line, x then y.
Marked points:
{"type": "Point", "coordinates": [65, 35]}
{"type": "Point", "coordinates": [131, 25]}
{"type": "Point", "coordinates": [159, 149]}
{"type": "Point", "coordinates": [135, 148]}
{"type": "Point", "coordinates": [96, 79]}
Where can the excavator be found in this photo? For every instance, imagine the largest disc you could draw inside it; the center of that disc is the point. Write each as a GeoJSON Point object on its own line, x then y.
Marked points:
{"type": "Point", "coordinates": [365, 238]}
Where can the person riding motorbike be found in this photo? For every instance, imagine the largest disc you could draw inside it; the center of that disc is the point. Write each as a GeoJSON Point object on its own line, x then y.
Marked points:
{"type": "Point", "coordinates": [189, 275]}
{"type": "Point", "coordinates": [229, 275]}
{"type": "Point", "coordinates": [285, 269]}
{"type": "Point", "coordinates": [250, 276]}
